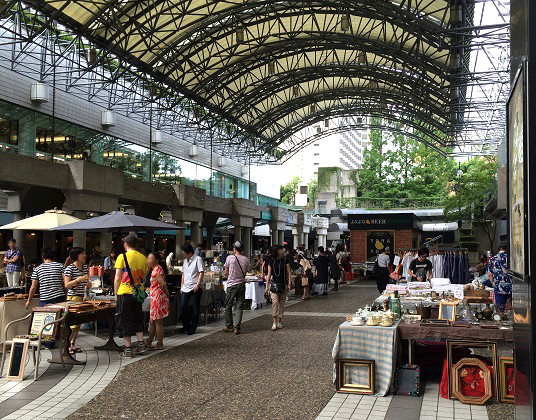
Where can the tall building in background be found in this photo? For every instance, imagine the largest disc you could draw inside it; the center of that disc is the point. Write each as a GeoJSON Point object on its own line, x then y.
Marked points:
{"type": "Point", "coordinates": [344, 150]}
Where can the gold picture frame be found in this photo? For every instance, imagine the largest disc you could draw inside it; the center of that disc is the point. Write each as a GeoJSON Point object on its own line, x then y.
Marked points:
{"type": "Point", "coordinates": [17, 359]}
{"type": "Point", "coordinates": [504, 363]}
{"type": "Point", "coordinates": [344, 385]}
{"type": "Point", "coordinates": [447, 310]}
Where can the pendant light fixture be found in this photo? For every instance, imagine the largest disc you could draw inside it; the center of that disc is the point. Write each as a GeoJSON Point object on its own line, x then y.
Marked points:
{"type": "Point", "coordinates": [91, 56]}
{"type": "Point", "coordinates": [326, 123]}
{"type": "Point", "coordinates": [362, 57]}
{"type": "Point", "coordinates": [239, 33]}
{"type": "Point", "coordinates": [313, 108]}
{"type": "Point", "coordinates": [296, 90]}
{"type": "Point", "coordinates": [271, 68]}
{"type": "Point", "coordinates": [345, 23]}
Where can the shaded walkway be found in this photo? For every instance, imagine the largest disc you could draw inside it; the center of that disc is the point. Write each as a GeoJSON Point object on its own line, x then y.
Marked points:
{"type": "Point", "coordinates": [259, 374]}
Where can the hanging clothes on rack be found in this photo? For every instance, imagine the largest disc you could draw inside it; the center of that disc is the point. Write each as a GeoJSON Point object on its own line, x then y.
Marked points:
{"type": "Point", "coordinates": [456, 266]}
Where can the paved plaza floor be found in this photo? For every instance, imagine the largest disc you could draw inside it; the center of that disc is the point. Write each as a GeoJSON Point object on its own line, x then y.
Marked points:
{"type": "Point", "coordinates": [259, 374]}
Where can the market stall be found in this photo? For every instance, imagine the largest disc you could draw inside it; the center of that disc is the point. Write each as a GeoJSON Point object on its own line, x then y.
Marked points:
{"type": "Point", "coordinates": [370, 348]}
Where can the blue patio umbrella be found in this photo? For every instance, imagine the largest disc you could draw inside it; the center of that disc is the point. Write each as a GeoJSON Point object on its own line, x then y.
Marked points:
{"type": "Point", "coordinates": [118, 221]}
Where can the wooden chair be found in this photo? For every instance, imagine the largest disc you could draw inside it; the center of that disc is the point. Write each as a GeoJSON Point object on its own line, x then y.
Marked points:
{"type": "Point", "coordinates": [35, 345]}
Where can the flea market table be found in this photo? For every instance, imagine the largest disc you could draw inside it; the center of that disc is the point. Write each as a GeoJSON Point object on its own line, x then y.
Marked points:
{"type": "Point", "coordinates": [369, 343]}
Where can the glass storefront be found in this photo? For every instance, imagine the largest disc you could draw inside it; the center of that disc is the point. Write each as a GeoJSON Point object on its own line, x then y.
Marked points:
{"type": "Point", "coordinates": [34, 134]}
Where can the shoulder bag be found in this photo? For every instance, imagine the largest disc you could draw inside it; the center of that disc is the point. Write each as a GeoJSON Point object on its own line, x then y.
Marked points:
{"type": "Point", "coordinates": [139, 292]}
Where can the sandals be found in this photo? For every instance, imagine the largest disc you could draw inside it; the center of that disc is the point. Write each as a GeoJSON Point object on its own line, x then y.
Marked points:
{"type": "Point", "coordinates": [74, 350]}
{"type": "Point", "coordinates": [155, 348]}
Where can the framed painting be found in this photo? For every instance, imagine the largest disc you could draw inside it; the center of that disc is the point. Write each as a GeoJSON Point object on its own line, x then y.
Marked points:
{"type": "Point", "coordinates": [408, 381]}
{"type": "Point", "coordinates": [355, 376]}
{"type": "Point", "coordinates": [471, 381]}
{"type": "Point", "coordinates": [506, 379]}
{"type": "Point", "coordinates": [447, 310]}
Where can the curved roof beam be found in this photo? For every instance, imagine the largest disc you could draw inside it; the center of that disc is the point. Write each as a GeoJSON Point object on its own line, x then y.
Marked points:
{"type": "Point", "coordinates": [371, 99]}
{"type": "Point", "coordinates": [352, 76]}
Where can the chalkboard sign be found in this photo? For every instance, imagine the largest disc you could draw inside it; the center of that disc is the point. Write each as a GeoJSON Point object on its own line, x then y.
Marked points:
{"type": "Point", "coordinates": [447, 310]}
{"type": "Point", "coordinates": [17, 359]}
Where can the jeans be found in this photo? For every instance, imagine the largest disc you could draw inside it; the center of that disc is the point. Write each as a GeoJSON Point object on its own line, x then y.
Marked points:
{"type": "Point", "coordinates": [237, 291]}
{"type": "Point", "coordinates": [190, 320]}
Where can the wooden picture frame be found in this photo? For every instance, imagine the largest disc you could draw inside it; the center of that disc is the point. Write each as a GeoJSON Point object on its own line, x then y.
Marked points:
{"type": "Point", "coordinates": [506, 381]}
{"type": "Point", "coordinates": [491, 345]}
{"type": "Point", "coordinates": [17, 359]}
{"type": "Point", "coordinates": [43, 315]}
{"type": "Point", "coordinates": [475, 370]}
{"type": "Point", "coordinates": [343, 383]}
{"type": "Point", "coordinates": [447, 310]}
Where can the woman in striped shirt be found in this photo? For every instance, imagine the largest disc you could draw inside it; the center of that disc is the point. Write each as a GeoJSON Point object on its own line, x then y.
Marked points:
{"type": "Point", "coordinates": [76, 278]}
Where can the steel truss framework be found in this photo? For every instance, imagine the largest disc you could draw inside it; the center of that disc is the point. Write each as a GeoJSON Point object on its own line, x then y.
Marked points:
{"type": "Point", "coordinates": [248, 78]}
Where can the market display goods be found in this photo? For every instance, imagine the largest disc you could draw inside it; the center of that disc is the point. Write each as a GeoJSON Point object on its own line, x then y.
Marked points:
{"type": "Point", "coordinates": [471, 381]}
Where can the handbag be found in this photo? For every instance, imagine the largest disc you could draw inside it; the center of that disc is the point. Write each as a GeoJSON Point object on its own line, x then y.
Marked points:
{"type": "Point", "coordinates": [304, 281]}
{"type": "Point", "coordinates": [276, 287]}
{"type": "Point", "coordinates": [139, 292]}
{"type": "Point", "coordinates": [375, 268]}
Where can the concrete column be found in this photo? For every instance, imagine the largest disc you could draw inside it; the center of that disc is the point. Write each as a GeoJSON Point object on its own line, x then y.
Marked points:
{"type": "Point", "coordinates": [79, 236]}
{"type": "Point", "coordinates": [275, 237]}
{"type": "Point", "coordinates": [195, 234]}
{"type": "Point", "coordinates": [302, 235]}
{"type": "Point", "coordinates": [246, 233]}
{"type": "Point", "coordinates": [281, 238]}
{"type": "Point", "coordinates": [295, 240]}
{"type": "Point", "coordinates": [19, 235]}
{"type": "Point", "coordinates": [106, 243]}
{"type": "Point", "coordinates": [149, 240]}
{"type": "Point", "coordinates": [180, 238]}
{"type": "Point", "coordinates": [306, 240]}
{"type": "Point", "coordinates": [210, 237]}
{"type": "Point", "coordinates": [238, 233]}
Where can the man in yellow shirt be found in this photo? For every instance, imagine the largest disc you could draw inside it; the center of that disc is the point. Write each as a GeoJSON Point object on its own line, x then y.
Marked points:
{"type": "Point", "coordinates": [129, 287]}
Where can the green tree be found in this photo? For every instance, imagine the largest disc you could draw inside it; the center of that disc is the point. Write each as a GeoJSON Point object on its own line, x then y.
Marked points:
{"type": "Point", "coordinates": [288, 192]}
{"type": "Point", "coordinates": [399, 167]}
{"type": "Point", "coordinates": [312, 192]}
{"type": "Point", "coordinates": [469, 193]}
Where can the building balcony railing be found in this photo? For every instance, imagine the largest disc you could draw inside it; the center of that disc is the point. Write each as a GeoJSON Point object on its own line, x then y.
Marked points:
{"type": "Point", "coordinates": [386, 203]}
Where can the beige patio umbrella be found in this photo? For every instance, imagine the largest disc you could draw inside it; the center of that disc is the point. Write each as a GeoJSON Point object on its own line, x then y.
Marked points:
{"type": "Point", "coordinates": [45, 221]}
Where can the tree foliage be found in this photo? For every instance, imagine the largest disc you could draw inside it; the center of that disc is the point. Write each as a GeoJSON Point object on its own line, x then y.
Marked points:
{"type": "Point", "coordinates": [312, 193]}
{"type": "Point", "coordinates": [399, 167]}
{"type": "Point", "coordinates": [288, 191]}
{"type": "Point", "coordinates": [469, 193]}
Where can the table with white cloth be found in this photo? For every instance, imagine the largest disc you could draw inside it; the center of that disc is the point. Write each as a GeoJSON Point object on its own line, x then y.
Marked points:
{"type": "Point", "coordinates": [368, 343]}
{"type": "Point", "coordinates": [254, 291]}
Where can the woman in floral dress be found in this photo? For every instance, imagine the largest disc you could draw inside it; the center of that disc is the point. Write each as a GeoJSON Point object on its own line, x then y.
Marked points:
{"type": "Point", "coordinates": [159, 302]}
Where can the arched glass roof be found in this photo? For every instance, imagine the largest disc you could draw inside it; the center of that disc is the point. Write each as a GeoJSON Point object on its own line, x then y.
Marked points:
{"type": "Point", "coordinates": [269, 69]}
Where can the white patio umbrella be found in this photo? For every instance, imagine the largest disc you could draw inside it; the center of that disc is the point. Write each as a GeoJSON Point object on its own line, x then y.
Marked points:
{"type": "Point", "coordinates": [45, 221]}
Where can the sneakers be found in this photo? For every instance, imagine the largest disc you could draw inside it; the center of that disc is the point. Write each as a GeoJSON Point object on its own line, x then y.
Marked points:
{"type": "Point", "coordinates": [127, 352]}
{"type": "Point", "coordinates": [236, 331]}
{"type": "Point", "coordinates": [141, 348]}
{"type": "Point", "coordinates": [274, 327]}
{"type": "Point", "coordinates": [279, 325]}
{"type": "Point", "coordinates": [227, 329]}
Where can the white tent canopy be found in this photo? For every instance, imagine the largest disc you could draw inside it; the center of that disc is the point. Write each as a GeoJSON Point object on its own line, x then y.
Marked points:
{"type": "Point", "coordinates": [45, 221]}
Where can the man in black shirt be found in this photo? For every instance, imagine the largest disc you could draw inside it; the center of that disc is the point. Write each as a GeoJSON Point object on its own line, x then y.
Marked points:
{"type": "Point", "coordinates": [420, 268]}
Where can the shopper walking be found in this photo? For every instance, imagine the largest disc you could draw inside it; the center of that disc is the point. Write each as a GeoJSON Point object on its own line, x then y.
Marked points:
{"type": "Point", "coordinates": [14, 264]}
{"type": "Point", "coordinates": [236, 267]}
{"type": "Point", "coordinates": [322, 273]}
{"type": "Point", "coordinates": [159, 308]}
{"type": "Point", "coordinates": [130, 269]}
{"type": "Point", "coordinates": [306, 274]}
{"type": "Point", "coordinates": [334, 270]}
{"type": "Point", "coordinates": [76, 279]}
{"type": "Point", "coordinates": [382, 276]}
{"type": "Point", "coordinates": [192, 275]}
{"type": "Point", "coordinates": [278, 283]}
{"type": "Point", "coordinates": [500, 279]}
{"type": "Point", "coordinates": [48, 277]}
